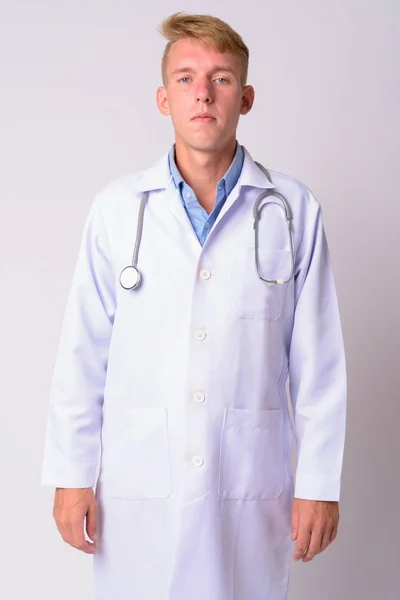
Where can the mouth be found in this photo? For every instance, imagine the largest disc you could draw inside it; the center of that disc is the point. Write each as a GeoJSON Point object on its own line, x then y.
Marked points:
{"type": "Point", "coordinates": [204, 119]}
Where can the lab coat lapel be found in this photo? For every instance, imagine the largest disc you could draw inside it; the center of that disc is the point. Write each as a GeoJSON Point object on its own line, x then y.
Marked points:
{"type": "Point", "coordinates": [175, 206]}
{"type": "Point", "coordinates": [251, 176]}
{"type": "Point", "coordinates": [158, 177]}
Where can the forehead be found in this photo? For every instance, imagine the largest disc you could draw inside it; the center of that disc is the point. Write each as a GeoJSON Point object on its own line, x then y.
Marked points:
{"type": "Point", "coordinates": [189, 52]}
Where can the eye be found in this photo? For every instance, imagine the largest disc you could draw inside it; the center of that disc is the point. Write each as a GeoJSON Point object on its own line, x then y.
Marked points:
{"type": "Point", "coordinates": [223, 79]}
{"type": "Point", "coordinates": [181, 79]}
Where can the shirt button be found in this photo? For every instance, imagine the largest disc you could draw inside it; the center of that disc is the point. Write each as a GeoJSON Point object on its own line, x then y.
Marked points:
{"type": "Point", "coordinates": [188, 195]}
{"type": "Point", "coordinates": [205, 274]}
{"type": "Point", "coordinates": [197, 461]}
{"type": "Point", "coordinates": [199, 397]}
{"type": "Point", "coordinates": [200, 335]}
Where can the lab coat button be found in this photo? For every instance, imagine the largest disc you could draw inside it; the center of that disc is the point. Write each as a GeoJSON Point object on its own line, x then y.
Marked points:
{"type": "Point", "coordinates": [205, 274]}
{"type": "Point", "coordinates": [199, 397]}
{"type": "Point", "coordinates": [200, 335]}
{"type": "Point", "coordinates": [197, 461]}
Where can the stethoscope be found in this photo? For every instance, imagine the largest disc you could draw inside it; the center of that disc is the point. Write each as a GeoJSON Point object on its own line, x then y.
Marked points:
{"type": "Point", "coordinates": [130, 276]}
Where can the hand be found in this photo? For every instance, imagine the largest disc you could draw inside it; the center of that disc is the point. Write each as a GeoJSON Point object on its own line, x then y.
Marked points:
{"type": "Point", "coordinates": [314, 526]}
{"type": "Point", "coordinates": [71, 506]}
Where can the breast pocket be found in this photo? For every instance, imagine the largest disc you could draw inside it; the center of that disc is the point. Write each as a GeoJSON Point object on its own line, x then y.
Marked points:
{"type": "Point", "coordinates": [252, 454]}
{"type": "Point", "coordinates": [135, 457]}
{"type": "Point", "coordinates": [250, 296]}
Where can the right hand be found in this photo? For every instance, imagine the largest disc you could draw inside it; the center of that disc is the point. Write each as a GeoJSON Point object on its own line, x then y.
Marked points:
{"type": "Point", "coordinates": [71, 506]}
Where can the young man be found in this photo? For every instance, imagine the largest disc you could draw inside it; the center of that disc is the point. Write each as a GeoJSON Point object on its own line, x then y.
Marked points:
{"type": "Point", "coordinates": [180, 380]}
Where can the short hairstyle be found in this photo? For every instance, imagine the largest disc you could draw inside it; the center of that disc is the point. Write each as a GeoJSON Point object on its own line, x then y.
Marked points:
{"type": "Point", "coordinates": [207, 29]}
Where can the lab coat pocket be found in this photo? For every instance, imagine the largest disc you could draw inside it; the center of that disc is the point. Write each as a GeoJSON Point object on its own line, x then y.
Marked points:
{"type": "Point", "coordinates": [135, 457]}
{"type": "Point", "coordinates": [252, 454]}
{"type": "Point", "coordinates": [250, 296]}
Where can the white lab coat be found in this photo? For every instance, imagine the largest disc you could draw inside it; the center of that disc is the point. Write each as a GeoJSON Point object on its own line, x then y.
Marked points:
{"type": "Point", "coordinates": [181, 384]}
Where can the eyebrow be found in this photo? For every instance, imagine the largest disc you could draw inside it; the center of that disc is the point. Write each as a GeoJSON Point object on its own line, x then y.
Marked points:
{"type": "Point", "coordinates": [216, 69]}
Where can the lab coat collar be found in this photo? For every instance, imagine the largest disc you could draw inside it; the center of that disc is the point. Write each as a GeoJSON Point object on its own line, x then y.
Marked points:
{"type": "Point", "coordinates": [158, 176]}
{"type": "Point", "coordinates": [252, 175]}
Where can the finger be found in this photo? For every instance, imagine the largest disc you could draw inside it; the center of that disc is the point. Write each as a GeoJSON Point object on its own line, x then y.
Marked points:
{"type": "Point", "coordinates": [78, 538]}
{"type": "Point", "coordinates": [326, 539]}
{"type": "Point", "coordinates": [314, 547]}
{"type": "Point", "coordinates": [303, 540]}
{"type": "Point", "coordinates": [62, 519]}
{"type": "Point", "coordinates": [70, 537]}
{"type": "Point", "coordinates": [333, 534]}
{"type": "Point", "coordinates": [91, 522]}
{"type": "Point", "coordinates": [64, 528]}
{"type": "Point", "coordinates": [295, 522]}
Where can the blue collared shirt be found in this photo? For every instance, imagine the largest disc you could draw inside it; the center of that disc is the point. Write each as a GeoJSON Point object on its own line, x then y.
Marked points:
{"type": "Point", "coordinates": [199, 218]}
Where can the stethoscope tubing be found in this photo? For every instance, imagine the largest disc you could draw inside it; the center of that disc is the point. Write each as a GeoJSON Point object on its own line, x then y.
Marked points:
{"type": "Point", "coordinates": [130, 276]}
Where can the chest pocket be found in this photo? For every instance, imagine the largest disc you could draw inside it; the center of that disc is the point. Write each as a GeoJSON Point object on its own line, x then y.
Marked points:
{"type": "Point", "coordinates": [250, 296]}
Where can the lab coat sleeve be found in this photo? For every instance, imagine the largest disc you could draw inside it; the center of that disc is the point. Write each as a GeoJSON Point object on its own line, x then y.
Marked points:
{"type": "Point", "coordinates": [317, 370]}
{"type": "Point", "coordinates": [72, 440]}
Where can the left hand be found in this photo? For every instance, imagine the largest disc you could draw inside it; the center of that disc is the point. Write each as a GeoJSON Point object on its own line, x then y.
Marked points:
{"type": "Point", "coordinates": [314, 526]}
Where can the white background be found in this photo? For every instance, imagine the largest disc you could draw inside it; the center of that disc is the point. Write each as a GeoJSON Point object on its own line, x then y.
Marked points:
{"type": "Point", "coordinates": [77, 108]}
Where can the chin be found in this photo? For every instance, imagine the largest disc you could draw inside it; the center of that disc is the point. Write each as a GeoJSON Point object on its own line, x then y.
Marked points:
{"type": "Point", "coordinates": [206, 145]}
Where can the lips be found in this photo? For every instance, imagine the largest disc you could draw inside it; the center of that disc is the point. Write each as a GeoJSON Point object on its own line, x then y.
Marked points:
{"type": "Point", "coordinates": [204, 118]}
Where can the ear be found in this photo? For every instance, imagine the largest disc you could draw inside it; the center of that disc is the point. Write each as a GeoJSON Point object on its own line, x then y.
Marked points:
{"type": "Point", "coordinates": [162, 101]}
{"type": "Point", "coordinates": [248, 95]}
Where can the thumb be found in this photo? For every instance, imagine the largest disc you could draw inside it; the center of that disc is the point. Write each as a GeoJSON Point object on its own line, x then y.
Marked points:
{"type": "Point", "coordinates": [91, 522]}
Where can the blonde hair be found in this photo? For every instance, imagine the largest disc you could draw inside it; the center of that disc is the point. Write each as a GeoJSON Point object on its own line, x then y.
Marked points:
{"type": "Point", "coordinates": [207, 29]}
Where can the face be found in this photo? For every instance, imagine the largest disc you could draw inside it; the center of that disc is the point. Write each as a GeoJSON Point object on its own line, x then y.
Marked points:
{"type": "Point", "coordinates": [203, 95]}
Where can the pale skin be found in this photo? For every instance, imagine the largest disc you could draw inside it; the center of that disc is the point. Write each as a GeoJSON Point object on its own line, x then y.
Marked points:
{"type": "Point", "coordinates": [201, 80]}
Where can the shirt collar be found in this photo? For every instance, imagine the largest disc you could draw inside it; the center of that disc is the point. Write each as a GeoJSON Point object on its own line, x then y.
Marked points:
{"type": "Point", "coordinates": [229, 179]}
{"type": "Point", "coordinates": [158, 176]}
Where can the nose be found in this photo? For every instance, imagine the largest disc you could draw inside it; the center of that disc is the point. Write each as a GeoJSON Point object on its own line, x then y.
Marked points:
{"type": "Point", "coordinates": [203, 98]}
{"type": "Point", "coordinates": [204, 92]}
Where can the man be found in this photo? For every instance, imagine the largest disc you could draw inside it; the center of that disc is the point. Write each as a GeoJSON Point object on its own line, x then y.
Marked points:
{"type": "Point", "coordinates": [180, 380]}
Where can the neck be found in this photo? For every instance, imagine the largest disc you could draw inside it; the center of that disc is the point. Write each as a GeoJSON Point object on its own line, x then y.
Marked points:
{"type": "Point", "coordinates": [202, 170]}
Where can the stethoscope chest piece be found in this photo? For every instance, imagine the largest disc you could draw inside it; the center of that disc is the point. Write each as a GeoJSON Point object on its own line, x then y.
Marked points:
{"type": "Point", "coordinates": [130, 277]}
